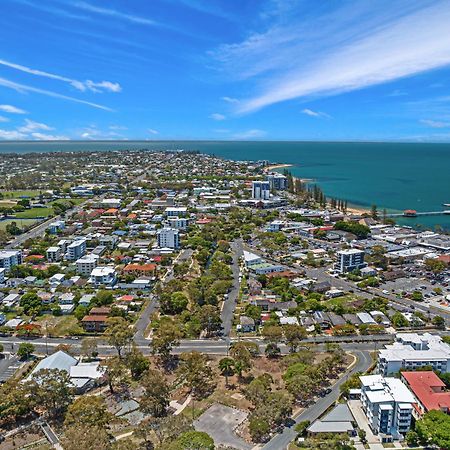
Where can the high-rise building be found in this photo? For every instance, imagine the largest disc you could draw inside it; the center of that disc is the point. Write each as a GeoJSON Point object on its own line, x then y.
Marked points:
{"type": "Point", "coordinates": [349, 260]}
{"type": "Point", "coordinates": [261, 190]}
{"type": "Point", "coordinates": [277, 181]}
{"type": "Point", "coordinates": [168, 238]}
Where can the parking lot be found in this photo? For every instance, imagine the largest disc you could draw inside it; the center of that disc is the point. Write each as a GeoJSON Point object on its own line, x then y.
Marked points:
{"type": "Point", "coordinates": [220, 422]}
{"type": "Point", "coordinates": [8, 365]}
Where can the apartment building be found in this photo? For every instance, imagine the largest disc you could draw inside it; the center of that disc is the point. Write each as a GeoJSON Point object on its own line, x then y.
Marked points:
{"type": "Point", "coordinates": [349, 260]}
{"type": "Point", "coordinates": [168, 238]}
{"type": "Point", "coordinates": [412, 351]}
{"type": "Point", "coordinates": [388, 405]}
{"type": "Point", "coordinates": [277, 181]}
{"type": "Point", "coordinates": [53, 254]}
{"type": "Point", "coordinates": [260, 190]}
{"type": "Point", "coordinates": [87, 264]}
{"type": "Point", "coordinates": [105, 276]}
{"type": "Point", "coordinates": [10, 258]}
{"type": "Point", "coordinates": [76, 250]}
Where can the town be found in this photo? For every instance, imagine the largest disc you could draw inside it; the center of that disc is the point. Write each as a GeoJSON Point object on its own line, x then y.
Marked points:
{"type": "Point", "coordinates": [177, 300]}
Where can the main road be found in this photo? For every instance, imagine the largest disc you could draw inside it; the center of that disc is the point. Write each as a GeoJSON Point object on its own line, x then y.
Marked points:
{"type": "Point", "coordinates": [282, 440]}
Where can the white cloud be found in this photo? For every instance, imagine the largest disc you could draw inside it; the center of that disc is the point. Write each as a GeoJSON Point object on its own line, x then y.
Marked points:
{"type": "Point", "coordinates": [4, 119]}
{"type": "Point", "coordinates": [117, 127]}
{"type": "Point", "coordinates": [49, 137]}
{"type": "Point", "coordinates": [94, 133]}
{"type": "Point", "coordinates": [23, 88]}
{"type": "Point", "coordinates": [30, 126]}
{"type": "Point", "coordinates": [77, 84]}
{"type": "Point", "coordinates": [217, 116]}
{"type": "Point", "coordinates": [12, 135]}
{"type": "Point", "coordinates": [318, 114]}
{"type": "Point", "coordinates": [435, 123]}
{"type": "Point", "coordinates": [250, 134]}
{"type": "Point", "coordinates": [352, 47]}
{"type": "Point", "coordinates": [114, 13]}
{"type": "Point", "coordinates": [230, 99]}
{"type": "Point", "coordinates": [153, 131]}
{"type": "Point", "coordinates": [12, 109]}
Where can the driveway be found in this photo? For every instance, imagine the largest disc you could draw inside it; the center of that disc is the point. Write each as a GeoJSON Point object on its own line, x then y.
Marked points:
{"type": "Point", "coordinates": [220, 422]}
{"type": "Point", "coordinates": [356, 409]}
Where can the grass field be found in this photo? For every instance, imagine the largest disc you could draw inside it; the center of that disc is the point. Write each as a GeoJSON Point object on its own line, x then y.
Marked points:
{"type": "Point", "coordinates": [35, 212]}
{"type": "Point", "coordinates": [60, 326]}
{"type": "Point", "coordinates": [19, 222]}
{"type": "Point", "coordinates": [20, 193]}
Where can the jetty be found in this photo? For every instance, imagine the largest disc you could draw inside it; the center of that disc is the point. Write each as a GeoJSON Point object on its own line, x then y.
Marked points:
{"type": "Point", "coordinates": [412, 213]}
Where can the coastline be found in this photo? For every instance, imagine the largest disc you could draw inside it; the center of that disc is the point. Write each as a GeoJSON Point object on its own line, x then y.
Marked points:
{"type": "Point", "coordinates": [352, 209]}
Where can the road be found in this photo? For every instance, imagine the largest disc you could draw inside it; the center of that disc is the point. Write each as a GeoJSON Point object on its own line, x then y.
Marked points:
{"type": "Point", "coordinates": [321, 275]}
{"type": "Point", "coordinates": [229, 305]}
{"type": "Point", "coordinates": [39, 229]}
{"type": "Point", "coordinates": [281, 441]}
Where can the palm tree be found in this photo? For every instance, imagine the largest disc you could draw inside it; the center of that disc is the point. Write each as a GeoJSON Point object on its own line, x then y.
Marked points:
{"type": "Point", "coordinates": [226, 366]}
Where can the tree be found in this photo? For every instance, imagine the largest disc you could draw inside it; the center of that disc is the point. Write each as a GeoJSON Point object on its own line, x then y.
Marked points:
{"type": "Point", "coordinates": [259, 428]}
{"type": "Point", "coordinates": [173, 303]}
{"type": "Point", "coordinates": [103, 298]}
{"type": "Point", "coordinates": [52, 390]}
{"type": "Point", "coordinates": [81, 436]}
{"type": "Point", "coordinates": [259, 389]}
{"type": "Point", "coordinates": [226, 367]}
{"type": "Point", "coordinates": [195, 372]}
{"type": "Point", "coordinates": [434, 428]}
{"type": "Point", "coordinates": [193, 440]}
{"type": "Point", "coordinates": [242, 357]}
{"type": "Point", "coordinates": [136, 362]}
{"type": "Point", "coordinates": [272, 333]}
{"type": "Point", "coordinates": [15, 401]}
{"type": "Point", "coordinates": [399, 320]}
{"type": "Point", "coordinates": [435, 265]}
{"type": "Point", "coordinates": [116, 373]}
{"type": "Point", "coordinates": [155, 399]}
{"type": "Point", "coordinates": [209, 317]}
{"type": "Point", "coordinates": [31, 303]}
{"type": "Point", "coordinates": [165, 337]}
{"type": "Point", "coordinates": [118, 333]}
{"type": "Point", "coordinates": [89, 347]}
{"type": "Point", "coordinates": [272, 350]}
{"type": "Point", "coordinates": [294, 334]}
{"type": "Point", "coordinates": [438, 321]}
{"type": "Point", "coordinates": [168, 428]}
{"type": "Point", "coordinates": [88, 410]}
{"type": "Point", "coordinates": [25, 350]}
{"type": "Point", "coordinates": [374, 212]}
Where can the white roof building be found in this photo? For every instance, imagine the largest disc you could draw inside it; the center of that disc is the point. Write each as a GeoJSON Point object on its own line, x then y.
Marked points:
{"type": "Point", "coordinates": [412, 351]}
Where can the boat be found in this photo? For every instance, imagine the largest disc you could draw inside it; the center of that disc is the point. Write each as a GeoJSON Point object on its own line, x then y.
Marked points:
{"type": "Point", "coordinates": [410, 213]}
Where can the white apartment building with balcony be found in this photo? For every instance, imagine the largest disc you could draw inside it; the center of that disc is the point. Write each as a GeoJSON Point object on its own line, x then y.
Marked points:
{"type": "Point", "coordinates": [10, 258]}
{"type": "Point", "coordinates": [87, 264]}
{"type": "Point", "coordinates": [349, 260]}
{"type": "Point", "coordinates": [76, 250]}
{"type": "Point", "coordinates": [103, 276]}
{"type": "Point", "coordinates": [388, 405]}
{"type": "Point", "coordinates": [53, 254]}
{"type": "Point", "coordinates": [413, 351]}
{"type": "Point", "coordinates": [168, 238]}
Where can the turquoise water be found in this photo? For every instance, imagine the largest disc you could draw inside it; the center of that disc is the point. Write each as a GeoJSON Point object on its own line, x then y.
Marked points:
{"type": "Point", "coordinates": [395, 176]}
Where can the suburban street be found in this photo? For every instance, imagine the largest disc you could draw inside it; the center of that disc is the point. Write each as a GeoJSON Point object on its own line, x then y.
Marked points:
{"type": "Point", "coordinates": [282, 440]}
{"type": "Point", "coordinates": [229, 304]}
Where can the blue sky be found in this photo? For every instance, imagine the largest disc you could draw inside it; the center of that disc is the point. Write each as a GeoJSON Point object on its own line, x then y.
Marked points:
{"type": "Point", "coordinates": [225, 69]}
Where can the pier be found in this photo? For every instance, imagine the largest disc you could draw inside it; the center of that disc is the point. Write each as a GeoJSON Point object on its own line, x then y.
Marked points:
{"type": "Point", "coordinates": [417, 214]}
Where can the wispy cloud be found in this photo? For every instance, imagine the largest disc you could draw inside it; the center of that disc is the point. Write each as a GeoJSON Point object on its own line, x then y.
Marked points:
{"type": "Point", "coordinates": [352, 47]}
{"type": "Point", "coordinates": [77, 84]}
{"type": "Point", "coordinates": [12, 135]}
{"type": "Point", "coordinates": [217, 116]}
{"type": "Point", "coordinates": [12, 109]}
{"type": "Point", "coordinates": [435, 123]}
{"type": "Point", "coordinates": [230, 99]}
{"type": "Point", "coordinates": [23, 88]}
{"type": "Point", "coordinates": [114, 13]}
{"type": "Point", "coordinates": [250, 134]}
{"type": "Point", "coordinates": [31, 125]}
{"type": "Point", "coordinates": [4, 119]}
{"type": "Point", "coordinates": [31, 130]}
{"type": "Point", "coordinates": [318, 114]}
{"type": "Point", "coordinates": [397, 93]}
{"type": "Point", "coordinates": [153, 131]}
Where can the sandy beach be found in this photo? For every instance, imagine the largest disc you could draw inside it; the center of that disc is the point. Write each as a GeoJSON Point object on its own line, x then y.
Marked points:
{"type": "Point", "coordinates": [276, 166]}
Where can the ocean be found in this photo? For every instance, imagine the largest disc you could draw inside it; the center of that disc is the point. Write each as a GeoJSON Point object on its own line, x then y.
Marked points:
{"type": "Point", "coordinates": [395, 176]}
